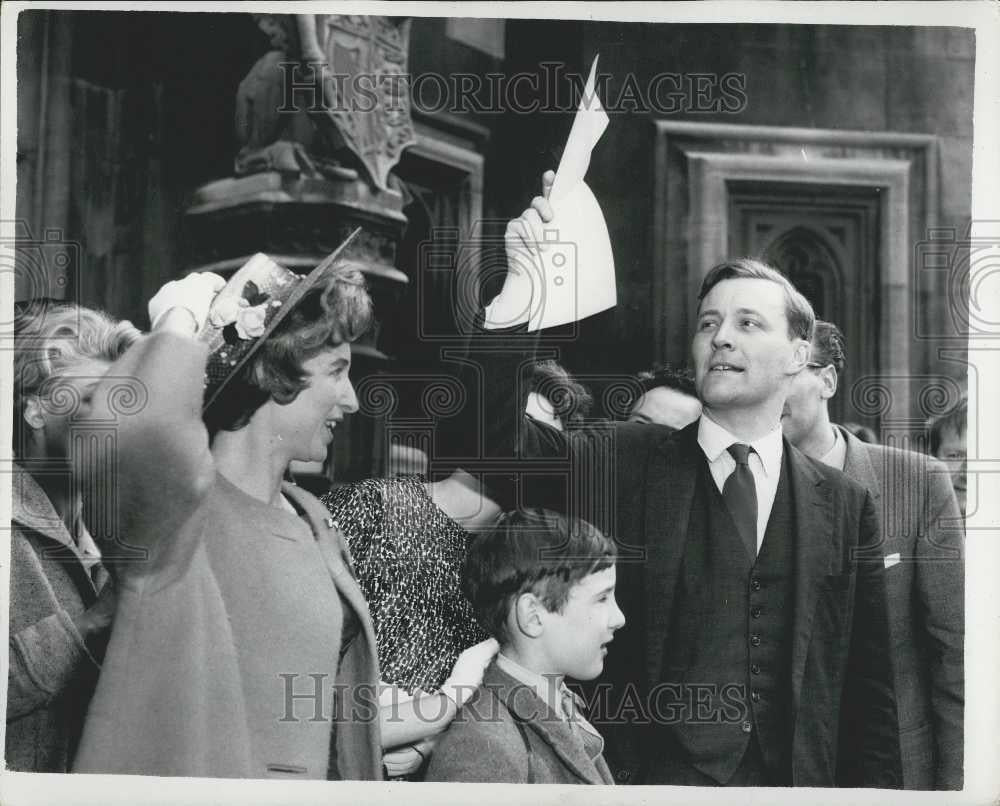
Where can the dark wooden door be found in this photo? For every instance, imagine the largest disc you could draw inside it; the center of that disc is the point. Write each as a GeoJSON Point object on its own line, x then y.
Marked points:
{"type": "Point", "coordinates": [826, 240]}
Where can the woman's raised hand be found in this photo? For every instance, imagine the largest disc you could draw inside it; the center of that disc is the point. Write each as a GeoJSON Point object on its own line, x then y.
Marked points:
{"type": "Point", "coordinates": [193, 294]}
{"type": "Point", "coordinates": [467, 673]}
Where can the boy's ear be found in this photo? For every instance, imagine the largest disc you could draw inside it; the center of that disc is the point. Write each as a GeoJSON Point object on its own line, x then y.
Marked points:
{"type": "Point", "coordinates": [527, 614]}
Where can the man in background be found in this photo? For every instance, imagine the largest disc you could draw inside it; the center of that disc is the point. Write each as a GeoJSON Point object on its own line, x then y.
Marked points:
{"type": "Point", "coordinates": [948, 432]}
{"type": "Point", "coordinates": [923, 557]}
{"type": "Point", "coordinates": [668, 397]}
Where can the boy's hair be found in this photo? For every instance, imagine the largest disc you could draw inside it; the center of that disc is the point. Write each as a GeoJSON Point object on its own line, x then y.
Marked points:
{"type": "Point", "coordinates": [335, 310]}
{"type": "Point", "coordinates": [798, 311]}
{"type": "Point", "coordinates": [955, 420]}
{"type": "Point", "coordinates": [531, 550]}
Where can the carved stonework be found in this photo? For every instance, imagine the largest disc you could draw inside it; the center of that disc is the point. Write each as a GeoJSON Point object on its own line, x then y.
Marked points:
{"type": "Point", "coordinates": [371, 106]}
{"type": "Point", "coordinates": [329, 99]}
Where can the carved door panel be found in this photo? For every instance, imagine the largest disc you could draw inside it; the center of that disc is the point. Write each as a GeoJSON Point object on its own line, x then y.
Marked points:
{"type": "Point", "coordinates": [825, 239]}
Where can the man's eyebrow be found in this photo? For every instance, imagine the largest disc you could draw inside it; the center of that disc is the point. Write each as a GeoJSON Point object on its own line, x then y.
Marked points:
{"type": "Point", "coordinates": [606, 589]}
{"type": "Point", "coordinates": [337, 363]}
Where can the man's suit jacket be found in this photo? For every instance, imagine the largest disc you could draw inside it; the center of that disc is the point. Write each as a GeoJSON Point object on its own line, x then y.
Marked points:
{"type": "Point", "coordinates": [483, 743]}
{"type": "Point", "coordinates": [921, 523]}
{"type": "Point", "coordinates": [843, 704]}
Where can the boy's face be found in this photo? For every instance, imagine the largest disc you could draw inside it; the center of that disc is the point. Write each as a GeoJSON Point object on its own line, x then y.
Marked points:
{"type": "Point", "coordinates": [576, 640]}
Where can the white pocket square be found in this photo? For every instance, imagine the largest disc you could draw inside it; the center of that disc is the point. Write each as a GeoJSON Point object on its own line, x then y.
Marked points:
{"type": "Point", "coordinates": [891, 560]}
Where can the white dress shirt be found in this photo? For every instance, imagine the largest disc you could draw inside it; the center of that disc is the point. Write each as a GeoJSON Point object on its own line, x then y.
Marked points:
{"type": "Point", "coordinates": [764, 461]}
{"type": "Point", "coordinates": [837, 455]}
{"type": "Point", "coordinates": [552, 690]}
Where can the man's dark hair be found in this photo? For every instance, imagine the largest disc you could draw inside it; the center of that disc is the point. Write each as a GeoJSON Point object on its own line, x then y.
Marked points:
{"type": "Point", "coordinates": [828, 346]}
{"type": "Point", "coordinates": [679, 378]}
{"type": "Point", "coordinates": [531, 550]}
{"type": "Point", "coordinates": [798, 311]}
{"type": "Point", "coordinates": [571, 401]}
{"type": "Point", "coordinates": [955, 419]}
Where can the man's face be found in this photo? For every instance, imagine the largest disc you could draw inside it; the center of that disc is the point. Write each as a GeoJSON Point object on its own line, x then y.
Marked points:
{"type": "Point", "coordinates": [743, 354]}
{"type": "Point", "coordinates": [952, 452]}
{"type": "Point", "coordinates": [806, 401]}
{"type": "Point", "coordinates": [666, 406]}
{"type": "Point", "coordinates": [577, 638]}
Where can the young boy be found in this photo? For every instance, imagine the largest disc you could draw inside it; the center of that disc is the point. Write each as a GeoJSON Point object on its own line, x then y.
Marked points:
{"type": "Point", "coordinates": [544, 586]}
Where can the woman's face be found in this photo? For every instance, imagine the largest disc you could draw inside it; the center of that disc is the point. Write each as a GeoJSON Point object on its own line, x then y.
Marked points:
{"type": "Point", "coordinates": [64, 406]}
{"type": "Point", "coordinates": [304, 427]}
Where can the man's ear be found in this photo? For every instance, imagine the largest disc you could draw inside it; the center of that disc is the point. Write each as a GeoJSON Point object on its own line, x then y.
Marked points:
{"type": "Point", "coordinates": [527, 614]}
{"type": "Point", "coordinates": [829, 377]}
{"type": "Point", "coordinates": [34, 413]}
{"type": "Point", "coordinates": [800, 356]}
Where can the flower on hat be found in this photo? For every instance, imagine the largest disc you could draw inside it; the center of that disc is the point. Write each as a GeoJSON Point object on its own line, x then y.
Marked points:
{"type": "Point", "coordinates": [250, 321]}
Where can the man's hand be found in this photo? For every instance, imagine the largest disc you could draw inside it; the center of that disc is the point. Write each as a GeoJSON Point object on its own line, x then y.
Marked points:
{"type": "Point", "coordinates": [526, 234]}
{"type": "Point", "coordinates": [182, 304]}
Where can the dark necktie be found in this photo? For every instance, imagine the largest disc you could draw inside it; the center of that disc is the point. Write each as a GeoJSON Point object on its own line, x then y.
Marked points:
{"type": "Point", "coordinates": [740, 496]}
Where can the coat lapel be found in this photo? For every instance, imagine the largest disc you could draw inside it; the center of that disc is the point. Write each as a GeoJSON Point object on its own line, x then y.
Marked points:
{"type": "Point", "coordinates": [815, 545]}
{"type": "Point", "coordinates": [335, 553]}
{"type": "Point", "coordinates": [522, 700]}
{"type": "Point", "coordinates": [669, 493]}
{"type": "Point", "coordinates": [859, 466]}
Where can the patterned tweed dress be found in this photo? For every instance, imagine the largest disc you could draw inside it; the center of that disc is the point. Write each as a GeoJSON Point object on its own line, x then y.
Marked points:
{"type": "Point", "coordinates": [408, 556]}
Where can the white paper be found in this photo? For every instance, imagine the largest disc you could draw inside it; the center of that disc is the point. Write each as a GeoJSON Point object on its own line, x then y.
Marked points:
{"type": "Point", "coordinates": [574, 276]}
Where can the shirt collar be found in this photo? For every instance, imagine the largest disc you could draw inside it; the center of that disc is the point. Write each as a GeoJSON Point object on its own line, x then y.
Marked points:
{"type": "Point", "coordinates": [837, 455]}
{"type": "Point", "coordinates": [715, 441]}
{"type": "Point", "coordinates": [546, 687]}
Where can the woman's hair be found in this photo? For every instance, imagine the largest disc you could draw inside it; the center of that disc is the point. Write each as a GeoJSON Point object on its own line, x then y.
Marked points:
{"type": "Point", "coordinates": [531, 550]}
{"type": "Point", "coordinates": [332, 312]}
{"type": "Point", "coordinates": [51, 337]}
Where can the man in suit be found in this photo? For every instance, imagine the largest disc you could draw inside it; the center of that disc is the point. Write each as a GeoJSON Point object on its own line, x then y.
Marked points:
{"type": "Point", "coordinates": [923, 556]}
{"type": "Point", "coordinates": [741, 662]}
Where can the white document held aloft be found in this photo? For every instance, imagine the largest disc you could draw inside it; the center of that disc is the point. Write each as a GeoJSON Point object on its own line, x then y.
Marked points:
{"type": "Point", "coordinates": [574, 277]}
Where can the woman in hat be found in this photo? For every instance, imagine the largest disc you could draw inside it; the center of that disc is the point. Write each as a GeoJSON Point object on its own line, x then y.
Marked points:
{"type": "Point", "coordinates": [61, 597]}
{"type": "Point", "coordinates": [242, 646]}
